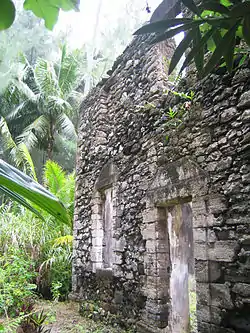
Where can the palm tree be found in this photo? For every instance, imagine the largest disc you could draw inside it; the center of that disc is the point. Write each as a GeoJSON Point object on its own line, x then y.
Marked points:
{"type": "Point", "coordinates": [21, 187]}
{"type": "Point", "coordinates": [47, 102]}
{"type": "Point", "coordinates": [17, 153]}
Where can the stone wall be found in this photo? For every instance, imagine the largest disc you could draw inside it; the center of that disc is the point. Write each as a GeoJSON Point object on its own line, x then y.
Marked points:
{"type": "Point", "coordinates": [195, 183]}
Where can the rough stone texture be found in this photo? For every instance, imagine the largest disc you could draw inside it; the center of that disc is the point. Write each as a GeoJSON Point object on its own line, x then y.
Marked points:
{"type": "Point", "coordinates": [205, 161]}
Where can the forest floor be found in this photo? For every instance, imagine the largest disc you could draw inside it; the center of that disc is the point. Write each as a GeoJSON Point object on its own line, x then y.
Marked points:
{"type": "Point", "coordinates": [64, 317]}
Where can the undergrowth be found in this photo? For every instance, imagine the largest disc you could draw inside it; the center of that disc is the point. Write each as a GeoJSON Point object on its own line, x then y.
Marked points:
{"type": "Point", "coordinates": [35, 254]}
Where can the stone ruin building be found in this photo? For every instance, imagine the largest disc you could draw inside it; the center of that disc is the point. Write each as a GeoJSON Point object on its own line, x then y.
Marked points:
{"type": "Point", "coordinates": [156, 210]}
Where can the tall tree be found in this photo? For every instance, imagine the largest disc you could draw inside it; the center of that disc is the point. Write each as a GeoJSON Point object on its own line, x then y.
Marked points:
{"type": "Point", "coordinates": [47, 100]}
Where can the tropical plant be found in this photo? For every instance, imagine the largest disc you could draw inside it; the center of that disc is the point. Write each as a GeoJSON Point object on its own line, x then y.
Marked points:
{"type": "Point", "coordinates": [215, 26]}
{"type": "Point", "coordinates": [36, 323]}
{"type": "Point", "coordinates": [18, 153]}
{"type": "Point", "coordinates": [17, 273]}
{"type": "Point", "coordinates": [47, 241]}
{"type": "Point", "coordinates": [47, 99]}
{"type": "Point", "coordinates": [19, 187]}
{"type": "Point", "coordinates": [61, 185]}
{"type": "Point", "coordinates": [48, 10]}
{"type": "Point", "coordinates": [55, 270]}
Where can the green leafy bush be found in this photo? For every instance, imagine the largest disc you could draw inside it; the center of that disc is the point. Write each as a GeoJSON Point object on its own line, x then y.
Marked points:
{"type": "Point", "coordinates": [17, 276]}
{"type": "Point", "coordinates": [47, 241]}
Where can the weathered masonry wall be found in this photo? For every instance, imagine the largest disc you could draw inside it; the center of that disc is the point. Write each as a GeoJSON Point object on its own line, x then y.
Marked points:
{"type": "Point", "coordinates": [145, 207]}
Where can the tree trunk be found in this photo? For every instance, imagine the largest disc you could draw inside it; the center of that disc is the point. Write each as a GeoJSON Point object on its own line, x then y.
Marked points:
{"type": "Point", "coordinates": [50, 148]}
{"type": "Point", "coordinates": [50, 141]}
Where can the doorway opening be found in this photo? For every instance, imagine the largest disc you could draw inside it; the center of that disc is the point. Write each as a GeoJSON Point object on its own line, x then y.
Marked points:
{"type": "Point", "coordinates": [180, 243]}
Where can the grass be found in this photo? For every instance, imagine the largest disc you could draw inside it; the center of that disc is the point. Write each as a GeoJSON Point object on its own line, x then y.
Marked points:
{"type": "Point", "coordinates": [64, 317]}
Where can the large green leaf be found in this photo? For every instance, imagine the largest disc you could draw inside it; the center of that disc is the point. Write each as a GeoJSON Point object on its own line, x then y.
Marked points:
{"type": "Point", "coordinates": [223, 23]}
{"type": "Point", "coordinates": [49, 9]}
{"type": "Point", "coordinates": [180, 51]}
{"type": "Point", "coordinates": [246, 29]}
{"type": "Point", "coordinates": [7, 14]}
{"type": "Point", "coordinates": [16, 197]}
{"type": "Point", "coordinates": [197, 48]}
{"type": "Point", "coordinates": [229, 54]}
{"type": "Point", "coordinates": [43, 9]}
{"type": "Point", "coordinates": [67, 5]}
{"type": "Point", "coordinates": [20, 184]}
{"type": "Point", "coordinates": [241, 9]}
{"type": "Point", "coordinates": [228, 51]}
{"type": "Point", "coordinates": [216, 7]}
{"type": "Point", "coordinates": [192, 6]}
{"type": "Point", "coordinates": [226, 40]}
{"type": "Point", "coordinates": [172, 32]}
{"type": "Point", "coordinates": [161, 26]}
{"type": "Point", "coordinates": [199, 56]}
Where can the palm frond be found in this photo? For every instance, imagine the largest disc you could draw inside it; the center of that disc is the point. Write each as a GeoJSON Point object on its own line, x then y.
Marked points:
{"type": "Point", "coordinates": [46, 78]}
{"type": "Point", "coordinates": [67, 194]}
{"type": "Point", "coordinates": [68, 76]}
{"type": "Point", "coordinates": [19, 153]}
{"type": "Point", "coordinates": [69, 191]}
{"type": "Point", "coordinates": [33, 133]}
{"type": "Point", "coordinates": [27, 159]}
{"type": "Point", "coordinates": [18, 110]}
{"type": "Point", "coordinates": [66, 127]}
{"type": "Point", "coordinates": [54, 177]}
{"type": "Point", "coordinates": [76, 99]}
{"type": "Point", "coordinates": [6, 138]}
{"type": "Point", "coordinates": [25, 90]}
{"type": "Point", "coordinates": [57, 105]}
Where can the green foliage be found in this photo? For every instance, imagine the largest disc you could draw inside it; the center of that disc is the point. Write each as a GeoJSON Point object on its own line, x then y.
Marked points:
{"type": "Point", "coordinates": [13, 324]}
{"type": "Point", "coordinates": [7, 14]}
{"type": "Point", "coordinates": [35, 322]}
{"type": "Point", "coordinates": [47, 102]}
{"type": "Point", "coordinates": [55, 290]}
{"type": "Point", "coordinates": [18, 153]}
{"type": "Point", "coordinates": [48, 241]}
{"type": "Point", "coordinates": [55, 271]}
{"type": "Point", "coordinates": [213, 23]}
{"type": "Point", "coordinates": [29, 322]}
{"type": "Point", "coordinates": [47, 10]}
{"type": "Point", "coordinates": [54, 177]}
{"type": "Point", "coordinates": [60, 184]}
{"type": "Point", "coordinates": [173, 116]}
{"type": "Point", "coordinates": [17, 273]}
{"type": "Point", "coordinates": [19, 187]}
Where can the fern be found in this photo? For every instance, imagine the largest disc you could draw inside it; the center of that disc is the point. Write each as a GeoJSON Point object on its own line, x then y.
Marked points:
{"type": "Point", "coordinates": [54, 177]}
{"type": "Point", "coordinates": [63, 240]}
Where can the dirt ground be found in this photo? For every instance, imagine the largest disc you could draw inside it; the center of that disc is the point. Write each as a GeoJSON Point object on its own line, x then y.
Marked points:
{"type": "Point", "coordinates": [64, 317]}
